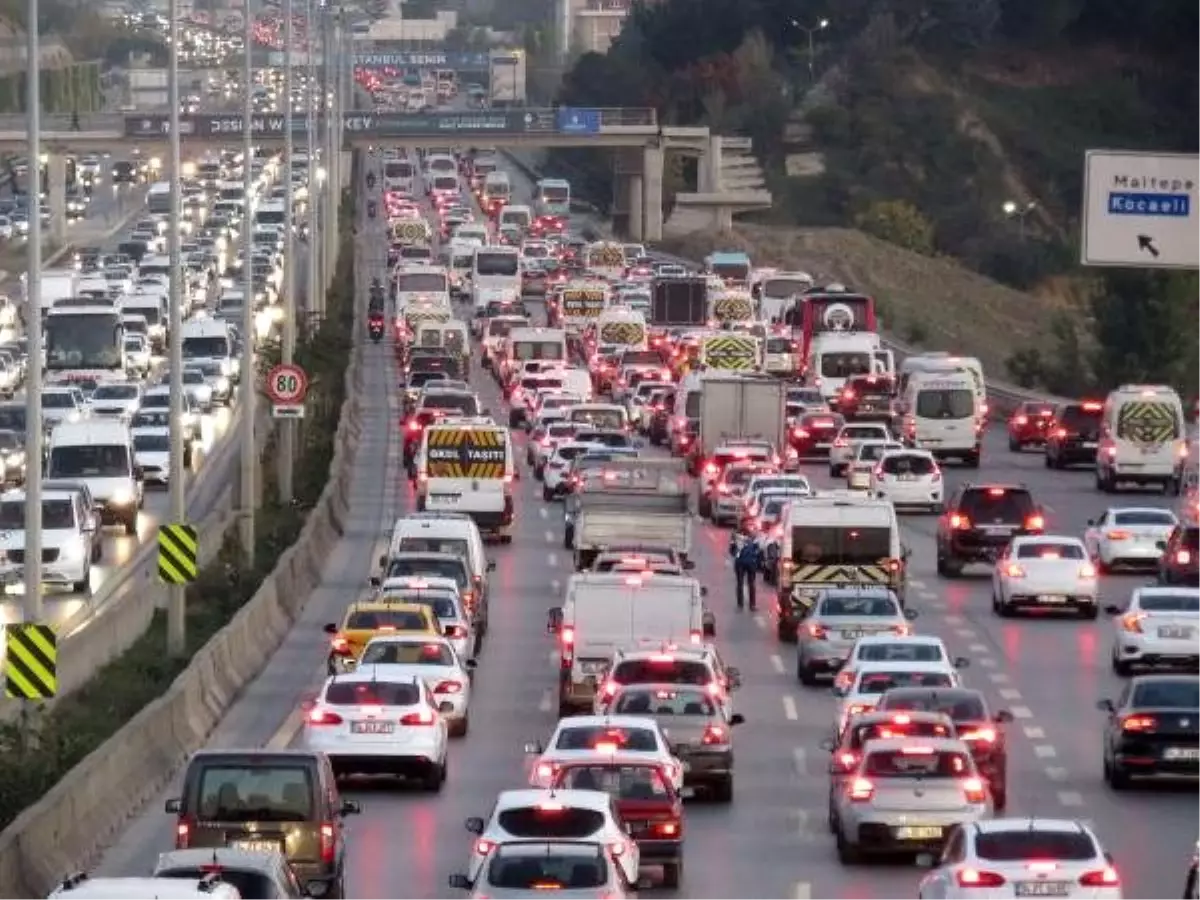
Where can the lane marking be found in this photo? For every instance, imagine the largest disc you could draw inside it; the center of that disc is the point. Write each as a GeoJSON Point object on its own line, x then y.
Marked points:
{"type": "Point", "coordinates": [1044, 751]}
{"type": "Point", "coordinates": [800, 761]}
{"type": "Point", "coordinates": [965, 633]}
{"type": "Point", "coordinates": [549, 537]}
{"type": "Point", "coordinates": [978, 648]}
{"type": "Point", "coordinates": [998, 677]}
{"type": "Point", "coordinates": [789, 709]}
{"type": "Point", "coordinates": [552, 559]}
{"type": "Point", "coordinates": [760, 621]}
{"type": "Point", "coordinates": [954, 619]}
{"type": "Point", "coordinates": [927, 595]}
{"type": "Point", "coordinates": [547, 701]}
{"type": "Point", "coordinates": [777, 663]}
{"type": "Point", "coordinates": [282, 739]}
{"type": "Point", "coordinates": [916, 584]}
{"type": "Point", "coordinates": [1056, 773]}
{"type": "Point", "coordinates": [802, 891]}
{"type": "Point", "coordinates": [1034, 733]}
{"type": "Point", "coordinates": [804, 830]}
{"type": "Point", "coordinates": [543, 512]}
{"type": "Point", "coordinates": [1009, 693]}
{"type": "Point", "coordinates": [1021, 712]}
{"type": "Point", "coordinates": [988, 663]}
{"type": "Point", "coordinates": [1070, 798]}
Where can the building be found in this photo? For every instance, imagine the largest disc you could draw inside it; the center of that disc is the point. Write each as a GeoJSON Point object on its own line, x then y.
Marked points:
{"type": "Point", "coordinates": [589, 26]}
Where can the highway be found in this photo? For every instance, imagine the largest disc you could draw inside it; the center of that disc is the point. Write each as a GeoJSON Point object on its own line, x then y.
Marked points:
{"type": "Point", "coordinates": [772, 841]}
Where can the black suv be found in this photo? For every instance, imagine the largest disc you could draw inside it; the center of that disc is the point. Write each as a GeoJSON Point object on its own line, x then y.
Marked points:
{"type": "Point", "coordinates": [1073, 434]}
{"type": "Point", "coordinates": [980, 520]}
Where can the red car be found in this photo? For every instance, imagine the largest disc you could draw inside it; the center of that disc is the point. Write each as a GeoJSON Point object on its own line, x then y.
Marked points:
{"type": "Point", "coordinates": [1027, 426]}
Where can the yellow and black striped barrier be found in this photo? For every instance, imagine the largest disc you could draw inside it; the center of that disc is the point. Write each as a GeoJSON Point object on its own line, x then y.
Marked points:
{"type": "Point", "coordinates": [841, 575]}
{"type": "Point", "coordinates": [178, 548]}
{"type": "Point", "coordinates": [1147, 422]}
{"type": "Point", "coordinates": [732, 352]}
{"type": "Point", "coordinates": [467, 452]}
{"type": "Point", "coordinates": [627, 333]}
{"type": "Point", "coordinates": [31, 664]}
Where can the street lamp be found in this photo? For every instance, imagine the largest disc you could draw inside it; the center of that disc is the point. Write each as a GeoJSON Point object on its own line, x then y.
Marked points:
{"type": "Point", "coordinates": [811, 31]}
{"type": "Point", "coordinates": [1018, 211]}
{"type": "Point", "coordinates": [32, 605]}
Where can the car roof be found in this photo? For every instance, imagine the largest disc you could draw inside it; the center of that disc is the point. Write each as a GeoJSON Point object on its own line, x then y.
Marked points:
{"type": "Point", "coordinates": [868, 639]}
{"type": "Point", "coordinates": [1036, 539]}
{"type": "Point", "coordinates": [360, 676]}
{"type": "Point", "coordinates": [949, 693]}
{"type": "Point", "coordinates": [230, 857]}
{"type": "Point", "coordinates": [425, 554]}
{"type": "Point", "coordinates": [605, 722]}
{"type": "Point", "coordinates": [1031, 823]}
{"type": "Point", "coordinates": [1165, 589]}
{"type": "Point", "coordinates": [881, 665]}
{"type": "Point", "coordinates": [513, 799]}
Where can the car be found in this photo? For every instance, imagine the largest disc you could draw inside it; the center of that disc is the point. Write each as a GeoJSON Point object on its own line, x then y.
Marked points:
{"type": "Point", "coordinates": [866, 458]}
{"type": "Point", "coordinates": [544, 814]}
{"type": "Point", "coordinates": [255, 873]}
{"type": "Point", "coordinates": [196, 384]}
{"type": "Point", "coordinates": [700, 732]}
{"type": "Point", "coordinates": [542, 441]}
{"type": "Point", "coordinates": [844, 447]}
{"type": "Point", "coordinates": [1045, 572]}
{"type": "Point", "coordinates": [1153, 730]}
{"type": "Point", "coordinates": [905, 795]}
{"type": "Point", "coordinates": [727, 500]}
{"type": "Point", "coordinates": [157, 400]}
{"type": "Point", "coordinates": [1180, 561]}
{"type": "Point", "coordinates": [1028, 424]}
{"type": "Point", "coordinates": [980, 520]}
{"type": "Point", "coordinates": [763, 518]}
{"type": "Point", "coordinates": [811, 434]}
{"type": "Point", "coordinates": [1130, 537]}
{"type": "Point", "coordinates": [890, 647]}
{"type": "Point", "coordinates": [650, 808]}
{"type": "Point", "coordinates": [1022, 857]}
{"type": "Point", "coordinates": [838, 618]}
{"type": "Point", "coordinates": [846, 753]}
{"type": "Point", "coordinates": [152, 451]}
{"type": "Point", "coordinates": [81, 886]}
{"type": "Point", "coordinates": [694, 664]}
{"type": "Point", "coordinates": [1158, 626]}
{"type": "Point", "coordinates": [70, 538]}
{"type": "Point", "coordinates": [447, 675]}
{"type": "Point", "coordinates": [120, 399]}
{"type": "Point", "coordinates": [376, 721]}
{"type": "Point", "coordinates": [1073, 435]}
{"type": "Point", "coordinates": [872, 680]}
{"type": "Point", "coordinates": [726, 455]}
{"type": "Point", "coordinates": [364, 620]}
{"type": "Point", "coordinates": [12, 457]}
{"type": "Point", "coordinates": [978, 727]}
{"type": "Point", "coordinates": [909, 479]}
{"type": "Point", "coordinates": [442, 596]}
{"type": "Point", "coordinates": [559, 868]}
{"type": "Point", "coordinates": [634, 738]}
{"type": "Point", "coordinates": [558, 465]}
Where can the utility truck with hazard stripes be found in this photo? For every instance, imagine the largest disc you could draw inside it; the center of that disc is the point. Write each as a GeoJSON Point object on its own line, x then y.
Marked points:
{"type": "Point", "coordinates": [620, 328]}
{"type": "Point", "coordinates": [467, 466]}
{"type": "Point", "coordinates": [1142, 438]}
{"type": "Point", "coordinates": [582, 302]}
{"type": "Point", "coordinates": [729, 351]}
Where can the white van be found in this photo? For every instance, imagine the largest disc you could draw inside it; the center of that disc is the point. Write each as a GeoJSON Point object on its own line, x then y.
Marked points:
{"type": "Point", "coordinates": [1142, 437]}
{"type": "Point", "coordinates": [448, 532]}
{"type": "Point", "coordinates": [210, 340]}
{"type": "Point", "coordinates": [515, 214]}
{"type": "Point", "coordinates": [210, 887]}
{"type": "Point", "coordinates": [546, 344]}
{"type": "Point", "coordinates": [943, 416]}
{"type": "Point", "coordinates": [944, 363]}
{"type": "Point", "coordinates": [467, 466]}
{"type": "Point", "coordinates": [496, 191]}
{"type": "Point", "coordinates": [99, 453]}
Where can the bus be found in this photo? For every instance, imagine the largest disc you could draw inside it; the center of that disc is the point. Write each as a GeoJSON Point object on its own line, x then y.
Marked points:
{"type": "Point", "coordinates": [553, 198]}
{"type": "Point", "coordinates": [84, 343]}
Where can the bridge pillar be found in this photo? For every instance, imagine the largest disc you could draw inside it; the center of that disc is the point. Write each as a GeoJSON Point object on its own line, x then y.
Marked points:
{"type": "Point", "coordinates": [652, 193]}
{"type": "Point", "coordinates": [56, 170]}
{"type": "Point", "coordinates": [636, 206]}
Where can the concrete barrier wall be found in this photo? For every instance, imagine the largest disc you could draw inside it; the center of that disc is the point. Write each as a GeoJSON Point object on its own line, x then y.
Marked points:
{"type": "Point", "coordinates": [78, 817]}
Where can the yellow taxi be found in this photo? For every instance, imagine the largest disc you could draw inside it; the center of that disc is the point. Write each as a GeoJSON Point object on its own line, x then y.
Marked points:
{"type": "Point", "coordinates": [368, 619]}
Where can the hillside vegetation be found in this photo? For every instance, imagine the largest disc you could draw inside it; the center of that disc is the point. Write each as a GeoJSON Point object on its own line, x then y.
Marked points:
{"type": "Point", "coordinates": [929, 116]}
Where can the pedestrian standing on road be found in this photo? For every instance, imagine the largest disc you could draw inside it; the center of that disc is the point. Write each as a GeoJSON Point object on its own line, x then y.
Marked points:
{"type": "Point", "coordinates": [747, 559]}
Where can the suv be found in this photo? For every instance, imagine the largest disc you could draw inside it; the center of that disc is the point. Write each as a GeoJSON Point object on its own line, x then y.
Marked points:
{"type": "Point", "coordinates": [980, 520]}
{"type": "Point", "coordinates": [1073, 434]}
{"type": "Point", "coordinates": [267, 799]}
{"type": "Point", "coordinates": [1179, 563]}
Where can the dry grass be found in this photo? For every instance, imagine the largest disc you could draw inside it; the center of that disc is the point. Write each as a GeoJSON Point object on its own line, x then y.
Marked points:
{"type": "Point", "coordinates": [931, 303]}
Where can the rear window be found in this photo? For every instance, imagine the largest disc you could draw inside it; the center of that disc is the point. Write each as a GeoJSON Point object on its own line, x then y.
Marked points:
{"type": "Point", "coordinates": [441, 606]}
{"type": "Point", "coordinates": [878, 682]}
{"type": "Point", "coordinates": [1144, 517]}
{"type": "Point", "coordinates": [862, 432]}
{"type": "Point", "coordinates": [535, 382]}
{"type": "Point", "coordinates": [1169, 694]}
{"type": "Point", "coordinates": [599, 418]}
{"type": "Point", "coordinates": [654, 671]}
{"type": "Point", "coordinates": [820, 422]}
{"type": "Point", "coordinates": [585, 737]}
{"type": "Point", "coordinates": [547, 872]}
{"type": "Point", "coordinates": [859, 606]}
{"type": "Point", "coordinates": [463, 403]}
{"type": "Point", "coordinates": [847, 546]}
{"type": "Point", "coordinates": [879, 730]}
{"type": "Point", "coordinates": [664, 703]}
{"type": "Point", "coordinates": [550, 820]}
{"type": "Point", "coordinates": [903, 651]}
{"type": "Point", "coordinates": [569, 452]}
{"type": "Point", "coordinates": [913, 762]}
{"type": "Point", "coordinates": [456, 546]}
{"type": "Point", "coordinates": [372, 693]}
{"type": "Point", "coordinates": [961, 708]}
{"type": "Point", "coordinates": [997, 505]}
{"type": "Point", "coordinates": [872, 452]}
{"type": "Point", "coordinates": [1077, 418]}
{"type": "Point", "coordinates": [606, 438]}
{"type": "Point", "coordinates": [945, 403]}
{"type": "Point", "coordinates": [430, 568]}
{"type": "Point", "coordinates": [248, 883]}
{"type": "Point", "coordinates": [373, 620]}
{"type": "Point", "coordinates": [408, 653]}
{"type": "Point", "coordinates": [1016, 846]}
{"type": "Point", "coordinates": [623, 782]}
{"type": "Point", "coordinates": [1169, 602]}
{"type": "Point", "coordinates": [275, 792]}
{"type": "Point", "coordinates": [420, 379]}
{"type": "Point", "coordinates": [1049, 551]}
{"type": "Point", "coordinates": [908, 464]}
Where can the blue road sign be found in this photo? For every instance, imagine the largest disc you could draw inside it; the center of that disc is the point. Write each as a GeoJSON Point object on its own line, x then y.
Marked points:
{"type": "Point", "coordinates": [578, 121]}
{"type": "Point", "coordinates": [1126, 203]}
{"type": "Point", "coordinates": [422, 59]}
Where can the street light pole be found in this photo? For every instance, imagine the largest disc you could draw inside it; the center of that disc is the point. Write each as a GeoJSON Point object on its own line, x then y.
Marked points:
{"type": "Point", "coordinates": [1019, 211]}
{"type": "Point", "coordinates": [287, 435]}
{"type": "Point", "coordinates": [812, 47]}
{"type": "Point", "coordinates": [176, 600]}
{"type": "Point", "coordinates": [249, 379]}
{"type": "Point", "coordinates": [314, 198]}
{"type": "Point", "coordinates": [32, 605]}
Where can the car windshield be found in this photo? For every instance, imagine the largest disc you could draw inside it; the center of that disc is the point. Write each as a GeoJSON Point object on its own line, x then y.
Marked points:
{"type": "Point", "coordinates": [664, 703]}
{"type": "Point", "coordinates": [56, 515]}
{"type": "Point", "coordinates": [962, 707]}
{"type": "Point", "coordinates": [1046, 550]}
{"type": "Point", "coordinates": [394, 619]}
{"type": "Point", "coordinates": [586, 737]}
{"type": "Point", "coordinates": [372, 693]}
{"type": "Point", "coordinates": [115, 392]}
{"type": "Point", "coordinates": [58, 400]}
{"type": "Point", "coordinates": [429, 567]}
{"type": "Point", "coordinates": [462, 403]}
{"type": "Point", "coordinates": [988, 505]}
{"type": "Point", "coordinates": [1160, 517]}
{"type": "Point", "coordinates": [879, 682]}
{"type": "Point", "coordinates": [945, 403]}
{"type": "Point", "coordinates": [917, 762]}
{"type": "Point", "coordinates": [408, 653]}
{"type": "Point", "coordinates": [664, 670]}
{"type": "Point", "coordinates": [859, 606]}
{"type": "Point", "coordinates": [150, 443]}
{"type": "Point", "coordinates": [1168, 694]}
{"type": "Point", "coordinates": [440, 605]}
{"type": "Point", "coordinates": [89, 461]}
{"type": "Point", "coordinates": [456, 546]}
{"type": "Point", "coordinates": [248, 882]}
{"type": "Point", "coordinates": [1034, 844]}
{"type": "Point", "coordinates": [255, 793]}
{"type": "Point", "coordinates": [1168, 601]}
{"type": "Point", "coordinates": [900, 651]}
{"type": "Point", "coordinates": [622, 782]}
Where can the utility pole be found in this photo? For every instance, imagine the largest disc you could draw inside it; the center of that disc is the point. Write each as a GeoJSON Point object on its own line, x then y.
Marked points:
{"type": "Point", "coordinates": [176, 593]}
{"type": "Point", "coordinates": [287, 434]}
{"type": "Point", "coordinates": [314, 197]}
{"type": "Point", "coordinates": [249, 379]}
{"type": "Point", "coordinates": [32, 606]}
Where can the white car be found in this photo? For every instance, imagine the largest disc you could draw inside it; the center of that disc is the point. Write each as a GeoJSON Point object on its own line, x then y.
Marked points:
{"type": "Point", "coordinates": [867, 455]}
{"type": "Point", "coordinates": [1045, 572]}
{"type": "Point", "coordinates": [444, 600]}
{"type": "Point", "coordinates": [152, 451]}
{"type": "Point", "coordinates": [68, 539]}
{"type": "Point", "coordinates": [1160, 625]}
{"type": "Point", "coordinates": [558, 467]}
{"type": "Point", "coordinates": [1023, 858]}
{"type": "Point", "coordinates": [62, 405]}
{"type": "Point", "coordinates": [1128, 536]}
{"type": "Point", "coordinates": [557, 867]}
{"type": "Point", "coordinates": [120, 399]}
{"type": "Point", "coordinates": [841, 454]}
{"type": "Point", "coordinates": [158, 400]}
{"type": "Point", "coordinates": [909, 478]}
{"type": "Point", "coordinates": [553, 404]}
{"type": "Point", "coordinates": [137, 354]}
{"type": "Point", "coordinates": [198, 386]}
{"type": "Point", "coordinates": [538, 814]}
{"type": "Point", "coordinates": [370, 721]}
{"type": "Point", "coordinates": [540, 450]}
{"type": "Point", "coordinates": [581, 737]}
{"type": "Point", "coordinates": [888, 647]}
{"type": "Point", "coordinates": [873, 679]}
{"type": "Point", "coordinates": [434, 661]}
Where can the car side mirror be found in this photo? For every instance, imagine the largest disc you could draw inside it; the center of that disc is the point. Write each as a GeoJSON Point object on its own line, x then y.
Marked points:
{"type": "Point", "coordinates": [374, 581]}
{"type": "Point", "coordinates": [350, 808]}
{"type": "Point", "coordinates": [1091, 523]}
{"type": "Point", "coordinates": [174, 805]}
{"type": "Point", "coordinates": [491, 565]}
{"type": "Point", "coordinates": [1113, 610]}
{"type": "Point", "coordinates": [329, 628]}
{"type": "Point", "coordinates": [961, 662]}
{"type": "Point", "coordinates": [470, 664]}
{"type": "Point", "coordinates": [1161, 545]}
{"type": "Point", "coordinates": [688, 565]}
{"type": "Point", "coordinates": [737, 719]}
{"type": "Point", "coordinates": [703, 590]}
{"type": "Point", "coordinates": [1004, 717]}
{"type": "Point", "coordinates": [459, 881]}
{"type": "Point", "coordinates": [533, 747]}
{"type": "Point", "coordinates": [1105, 705]}
{"type": "Point", "coordinates": [911, 614]}
{"type": "Point", "coordinates": [554, 619]}
{"type": "Point", "coordinates": [827, 745]}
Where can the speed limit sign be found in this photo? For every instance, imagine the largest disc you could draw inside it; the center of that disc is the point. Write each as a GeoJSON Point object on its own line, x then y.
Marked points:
{"type": "Point", "coordinates": [287, 386]}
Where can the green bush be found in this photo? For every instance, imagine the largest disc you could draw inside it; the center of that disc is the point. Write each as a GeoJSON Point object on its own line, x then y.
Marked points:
{"type": "Point", "coordinates": [897, 222]}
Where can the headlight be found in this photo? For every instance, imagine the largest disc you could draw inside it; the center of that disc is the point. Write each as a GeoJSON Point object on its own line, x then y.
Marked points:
{"type": "Point", "coordinates": [121, 498]}
{"type": "Point", "coordinates": [222, 384]}
{"type": "Point", "coordinates": [277, 313]}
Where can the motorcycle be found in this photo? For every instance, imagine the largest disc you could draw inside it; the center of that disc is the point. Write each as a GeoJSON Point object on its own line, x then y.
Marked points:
{"type": "Point", "coordinates": [370, 179]}
{"type": "Point", "coordinates": [375, 328]}
{"type": "Point", "coordinates": [371, 209]}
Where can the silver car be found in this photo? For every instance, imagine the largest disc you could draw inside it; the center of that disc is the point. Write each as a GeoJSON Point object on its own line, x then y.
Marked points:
{"type": "Point", "coordinates": [840, 617]}
{"type": "Point", "coordinates": [845, 444]}
{"type": "Point", "coordinates": [904, 796]}
{"type": "Point", "coordinates": [575, 869]}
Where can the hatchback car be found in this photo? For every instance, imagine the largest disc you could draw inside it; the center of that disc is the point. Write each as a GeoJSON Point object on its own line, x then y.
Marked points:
{"type": "Point", "coordinates": [579, 870]}
{"type": "Point", "coordinates": [908, 479]}
{"type": "Point", "coordinates": [873, 680]}
{"type": "Point", "coordinates": [845, 444]}
{"type": "Point", "coordinates": [633, 738]}
{"type": "Point", "coordinates": [867, 457]}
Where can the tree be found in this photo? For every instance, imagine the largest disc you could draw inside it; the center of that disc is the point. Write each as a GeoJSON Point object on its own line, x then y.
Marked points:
{"type": "Point", "coordinates": [897, 222]}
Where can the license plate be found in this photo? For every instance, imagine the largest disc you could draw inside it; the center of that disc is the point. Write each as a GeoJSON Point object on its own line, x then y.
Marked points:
{"type": "Point", "coordinates": [852, 634]}
{"type": "Point", "coordinates": [906, 477]}
{"type": "Point", "coordinates": [446, 498]}
{"type": "Point", "coordinates": [256, 846]}
{"type": "Point", "coordinates": [918, 832]}
{"type": "Point", "coordinates": [1043, 888]}
{"type": "Point", "coordinates": [591, 667]}
{"type": "Point", "coordinates": [1183, 753]}
{"type": "Point", "coordinates": [1175, 633]}
{"type": "Point", "coordinates": [636, 828]}
{"type": "Point", "coordinates": [1089, 445]}
{"type": "Point", "coordinates": [1051, 598]}
{"type": "Point", "coordinates": [372, 727]}
{"type": "Point", "coordinates": [997, 531]}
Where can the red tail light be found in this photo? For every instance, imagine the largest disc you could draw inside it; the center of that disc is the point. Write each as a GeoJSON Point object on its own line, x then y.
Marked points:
{"type": "Point", "coordinates": [328, 842]}
{"type": "Point", "coordinates": [183, 833]}
{"type": "Point", "coordinates": [1106, 877]}
{"type": "Point", "coordinates": [799, 433]}
{"type": "Point", "coordinates": [567, 636]}
{"type": "Point", "coordinates": [959, 521]}
{"type": "Point", "coordinates": [974, 789]}
{"type": "Point", "coordinates": [1139, 723]}
{"type": "Point", "coordinates": [414, 426]}
{"type": "Point", "coordinates": [861, 790]}
{"type": "Point", "coordinates": [816, 632]}
{"type": "Point", "coordinates": [845, 761]}
{"type": "Point", "coordinates": [714, 735]}
{"type": "Point", "coordinates": [456, 631]}
{"type": "Point", "coordinates": [981, 735]}
{"type": "Point", "coordinates": [448, 687]}
{"type": "Point", "coordinates": [340, 646]}
{"type": "Point", "coordinates": [973, 878]}
{"type": "Point", "coordinates": [420, 717]}
{"type": "Point", "coordinates": [1183, 557]}
{"type": "Point", "coordinates": [1021, 420]}
{"type": "Point", "coordinates": [1035, 523]}
{"type": "Point", "coordinates": [670, 829]}
{"type": "Point", "coordinates": [483, 846]}
{"type": "Point", "coordinates": [319, 716]}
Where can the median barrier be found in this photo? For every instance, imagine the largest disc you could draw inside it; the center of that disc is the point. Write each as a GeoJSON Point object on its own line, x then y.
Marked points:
{"type": "Point", "coordinates": [70, 826]}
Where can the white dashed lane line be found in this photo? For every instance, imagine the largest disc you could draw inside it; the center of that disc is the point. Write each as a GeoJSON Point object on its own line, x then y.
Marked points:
{"type": "Point", "coordinates": [789, 708]}
{"type": "Point", "coordinates": [777, 663]}
{"type": "Point", "coordinates": [549, 537]}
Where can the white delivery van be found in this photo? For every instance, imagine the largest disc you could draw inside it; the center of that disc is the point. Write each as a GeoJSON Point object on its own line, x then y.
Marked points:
{"type": "Point", "coordinates": [943, 416]}
{"type": "Point", "coordinates": [467, 466]}
{"type": "Point", "coordinates": [1142, 437]}
{"type": "Point", "coordinates": [607, 612]}
{"type": "Point", "coordinates": [495, 268]}
{"type": "Point", "coordinates": [99, 453]}
{"type": "Point", "coordinates": [527, 344]}
{"type": "Point", "coordinates": [943, 363]}
{"type": "Point", "coordinates": [211, 340]}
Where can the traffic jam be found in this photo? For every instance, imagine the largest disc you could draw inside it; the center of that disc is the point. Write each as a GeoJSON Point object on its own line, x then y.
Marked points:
{"type": "Point", "coordinates": [647, 501]}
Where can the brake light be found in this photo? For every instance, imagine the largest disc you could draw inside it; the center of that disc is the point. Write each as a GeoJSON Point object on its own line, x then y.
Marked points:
{"type": "Point", "coordinates": [414, 425]}
{"type": "Point", "coordinates": [667, 829]}
{"type": "Point", "coordinates": [1012, 570]}
{"type": "Point", "coordinates": [846, 761]}
{"type": "Point", "coordinates": [319, 716]}
{"type": "Point", "coordinates": [1087, 572]}
{"type": "Point", "coordinates": [1183, 557]}
{"type": "Point", "coordinates": [974, 789]}
{"type": "Point", "coordinates": [420, 717]}
{"type": "Point", "coordinates": [799, 433]}
{"type": "Point", "coordinates": [183, 833]}
{"type": "Point", "coordinates": [605, 747]}
{"type": "Point", "coordinates": [456, 631]}
{"type": "Point", "coordinates": [609, 691]}
{"type": "Point", "coordinates": [1106, 877]}
{"type": "Point", "coordinates": [567, 636]}
{"type": "Point", "coordinates": [1132, 622]}
{"type": "Point", "coordinates": [973, 878]}
{"type": "Point", "coordinates": [816, 632]}
{"type": "Point", "coordinates": [483, 846]}
{"type": "Point", "coordinates": [1138, 723]}
{"type": "Point", "coordinates": [960, 522]}
{"type": "Point", "coordinates": [982, 735]}
{"type": "Point", "coordinates": [1060, 433]}
{"type": "Point", "coordinates": [340, 646]}
{"type": "Point", "coordinates": [1035, 523]}
{"type": "Point", "coordinates": [861, 790]}
{"type": "Point", "coordinates": [546, 771]}
{"type": "Point", "coordinates": [1117, 535]}
{"type": "Point", "coordinates": [448, 687]}
{"type": "Point", "coordinates": [710, 468]}
{"type": "Point", "coordinates": [1021, 420]}
{"type": "Point", "coordinates": [847, 394]}
{"type": "Point", "coordinates": [714, 735]}
{"type": "Point", "coordinates": [328, 842]}
{"type": "Point", "coordinates": [1093, 406]}
{"type": "Point", "coordinates": [857, 709]}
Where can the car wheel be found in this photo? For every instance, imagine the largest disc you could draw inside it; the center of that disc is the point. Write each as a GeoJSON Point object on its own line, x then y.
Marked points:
{"type": "Point", "coordinates": [722, 790]}
{"type": "Point", "coordinates": [83, 587]}
{"type": "Point", "coordinates": [786, 633]}
{"type": "Point", "coordinates": [461, 727]}
{"type": "Point", "coordinates": [847, 853]}
{"type": "Point", "coordinates": [704, 508]}
{"type": "Point", "coordinates": [1117, 778]}
{"type": "Point", "coordinates": [831, 815]}
{"type": "Point", "coordinates": [1121, 667]}
{"type": "Point", "coordinates": [337, 888]}
{"type": "Point", "coordinates": [1014, 446]}
{"type": "Point", "coordinates": [999, 797]}
{"type": "Point", "coordinates": [805, 674]}
{"type": "Point", "coordinates": [435, 778]}
{"type": "Point", "coordinates": [1089, 611]}
{"type": "Point", "coordinates": [672, 874]}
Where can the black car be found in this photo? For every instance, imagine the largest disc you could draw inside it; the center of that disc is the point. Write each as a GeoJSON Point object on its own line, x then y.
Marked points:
{"type": "Point", "coordinates": [1180, 561]}
{"type": "Point", "coordinates": [980, 520]}
{"type": "Point", "coordinates": [1153, 729]}
{"type": "Point", "coordinates": [662, 405]}
{"type": "Point", "coordinates": [979, 728]}
{"type": "Point", "coordinates": [1073, 434]}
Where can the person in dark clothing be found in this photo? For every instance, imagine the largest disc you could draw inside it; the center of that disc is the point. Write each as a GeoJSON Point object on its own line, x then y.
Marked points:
{"type": "Point", "coordinates": [747, 559]}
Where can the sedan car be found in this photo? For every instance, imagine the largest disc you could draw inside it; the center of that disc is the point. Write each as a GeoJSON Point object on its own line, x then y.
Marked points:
{"type": "Point", "coordinates": [873, 680]}
{"type": "Point", "coordinates": [1128, 537]}
{"type": "Point", "coordinates": [838, 618]}
{"type": "Point", "coordinates": [445, 601]}
{"type": "Point", "coordinates": [867, 456]}
{"type": "Point", "coordinates": [580, 870]}
{"type": "Point", "coordinates": [908, 479]}
{"type": "Point", "coordinates": [1153, 730]}
{"type": "Point", "coordinates": [729, 494]}
{"type": "Point", "coordinates": [1159, 626]}
{"type": "Point", "coordinates": [636, 738]}
{"type": "Point", "coordinates": [558, 466]}
{"type": "Point", "coordinates": [1047, 572]}
{"type": "Point", "coordinates": [543, 441]}
{"type": "Point", "coordinates": [434, 660]}
{"type": "Point", "coordinates": [841, 453]}
{"type": "Point", "coordinates": [1028, 424]}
